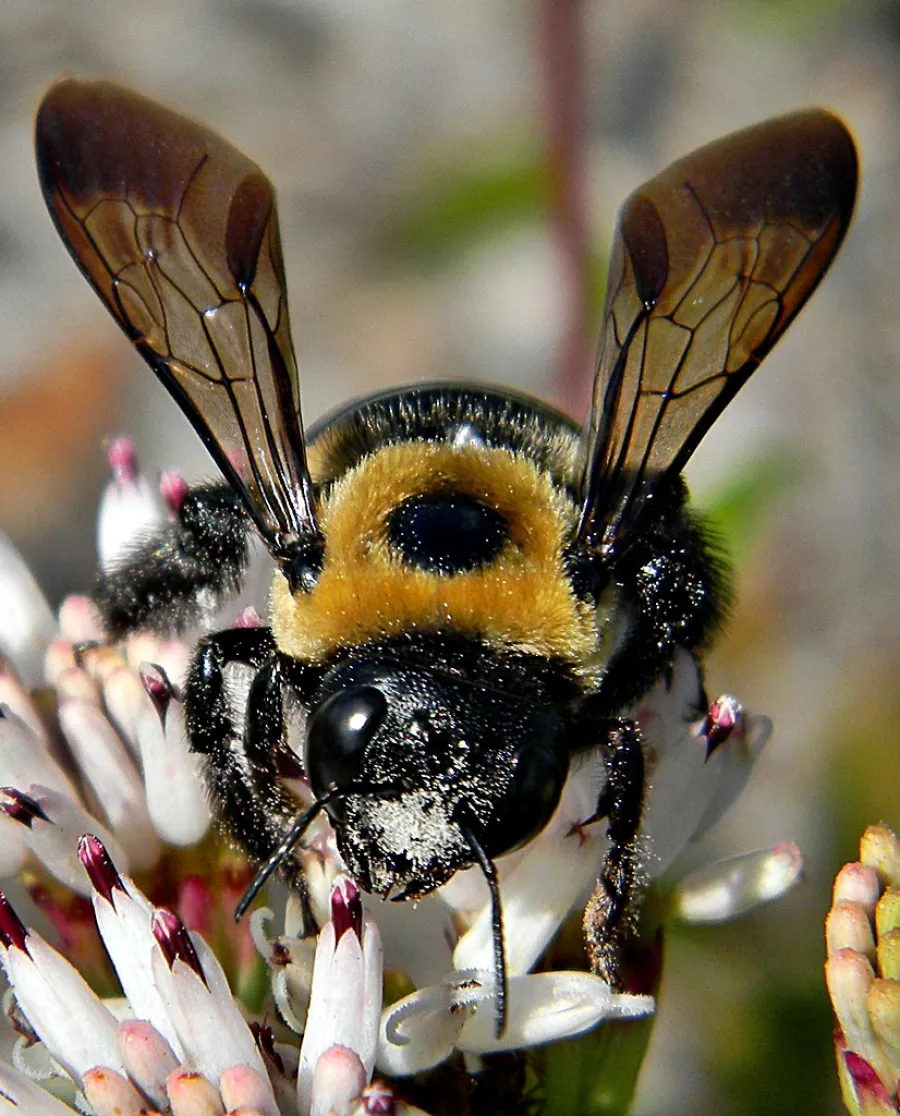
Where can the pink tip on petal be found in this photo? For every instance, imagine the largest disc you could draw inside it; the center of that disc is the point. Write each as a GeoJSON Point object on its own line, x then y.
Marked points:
{"type": "Point", "coordinates": [13, 932]}
{"type": "Point", "coordinates": [108, 1091]}
{"type": "Point", "coordinates": [264, 1037]}
{"type": "Point", "coordinates": [346, 908]}
{"type": "Point", "coordinates": [122, 458]}
{"type": "Point", "coordinates": [857, 883]}
{"type": "Point", "coordinates": [21, 807]}
{"type": "Point", "coordinates": [174, 940]}
{"type": "Point", "coordinates": [189, 1091]}
{"type": "Point", "coordinates": [147, 1058]}
{"type": "Point", "coordinates": [173, 489]}
{"type": "Point", "coordinates": [248, 618]}
{"type": "Point", "coordinates": [377, 1099]}
{"type": "Point", "coordinates": [339, 1078]}
{"type": "Point", "coordinates": [159, 688]}
{"type": "Point", "coordinates": [99, 867]}
{"type": "Point", "coordinates": [865, 1079]}
{"type": "Point", "coordinates": [243, 1090]}
{"type": "Point", "coordinates": [725, 714]}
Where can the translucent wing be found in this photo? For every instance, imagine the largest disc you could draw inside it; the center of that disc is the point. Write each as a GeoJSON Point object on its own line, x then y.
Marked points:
{"type": "Point", "coordinates": [711, 262]}
{"type": "Point", "coordinates": [178, 234]}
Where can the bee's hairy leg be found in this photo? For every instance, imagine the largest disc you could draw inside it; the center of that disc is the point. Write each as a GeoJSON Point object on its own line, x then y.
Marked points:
{"type": "Point", "coordinates": [608, 914]}
{"type": "Point", "coordinates": [186, 568]}
{"type": "Point", "coordinates": [234, 702]}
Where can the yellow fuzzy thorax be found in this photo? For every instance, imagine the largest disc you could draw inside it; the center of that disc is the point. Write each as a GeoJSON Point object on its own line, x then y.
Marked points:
{"type": "Point", "coordinates": [522, 600]}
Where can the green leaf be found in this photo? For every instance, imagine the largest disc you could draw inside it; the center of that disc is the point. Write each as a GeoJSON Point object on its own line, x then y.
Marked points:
{"type": "Point", "coordinates": [455, 206]}
{"type": "Point", "coordinates": [596, 1074]}
{"type": "Point", "coordinates": [738, 509]}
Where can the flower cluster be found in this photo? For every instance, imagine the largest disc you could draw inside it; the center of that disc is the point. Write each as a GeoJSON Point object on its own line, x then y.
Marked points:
{"type": "Point", "coordinates": [862, 934]}
{"type": "Point", "coordinates": [103, 815]}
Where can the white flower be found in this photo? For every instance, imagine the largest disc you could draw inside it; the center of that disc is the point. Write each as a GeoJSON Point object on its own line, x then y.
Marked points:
{"type": "Point", "coordinates": [127, 796]}
{"type": "Point", "coordinates": [862, 932]}
{"type": "Point", "coordinates": [337, 1055]}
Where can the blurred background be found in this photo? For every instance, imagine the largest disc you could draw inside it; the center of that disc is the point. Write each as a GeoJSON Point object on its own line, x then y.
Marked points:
{"type": "Point", "coordinates": [429, 182]}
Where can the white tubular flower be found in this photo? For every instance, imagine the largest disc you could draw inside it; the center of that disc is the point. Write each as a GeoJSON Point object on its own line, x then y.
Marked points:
{"type": "Point", "coordinates": [20, 1095]}
{"type": "Point", "coordinates": [345, 1006]}
{"type": "Point", "coordinates": [125, 921]}
{"type": "Point", "coordinates": [729, 888]}
{"type": "Point", "coordinates": [424, 1029]}
{"type": "Point", "coordinates": [199, 1003]}
{"type": "Point", "coordinates": [71, 1022]}
{"type": "Point", "coordinates": [176, 798]}
{"type": "Point", "coordinates": [862, 935]}
{"type": "Point", "coordinates": [112, 782]}
{"type": "Point", "coordinates": [113, 777]}
{"type": "Point", "coordinates": [129, 507]}
{"type": "Point", "coordinates": [27, 623]}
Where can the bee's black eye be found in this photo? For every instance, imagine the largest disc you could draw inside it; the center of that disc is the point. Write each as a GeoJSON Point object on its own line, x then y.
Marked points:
{"type": "Point", "coordinates": [337, 735]}
{"type": "Point", "coordinates": [447, 532]}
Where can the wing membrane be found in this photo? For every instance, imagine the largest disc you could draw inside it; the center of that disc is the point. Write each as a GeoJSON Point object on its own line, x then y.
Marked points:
{"type": "Point", "coordinates": [178, 233]}
{"type": "Point", "coordinates": [712, 260]}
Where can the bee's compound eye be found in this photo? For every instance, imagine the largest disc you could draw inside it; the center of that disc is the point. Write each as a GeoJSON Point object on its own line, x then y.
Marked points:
{"type": "Point", "coordinates": [447, 532]}
{"type": "Point", "coordinates": [337, 735]}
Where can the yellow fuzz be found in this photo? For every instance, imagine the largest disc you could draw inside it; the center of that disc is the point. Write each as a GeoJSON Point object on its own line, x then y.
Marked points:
{"type": "Point", "coordinates": [522, 600]}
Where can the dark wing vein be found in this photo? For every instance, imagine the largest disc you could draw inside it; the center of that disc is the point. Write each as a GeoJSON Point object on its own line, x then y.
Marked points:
{"type": "Point", "coordinates": [711, 262]}
{"type": "Point", "coordinates": [177, 231]}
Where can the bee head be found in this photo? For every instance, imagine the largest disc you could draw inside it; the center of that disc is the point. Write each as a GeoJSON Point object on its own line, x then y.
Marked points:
{"type": "Point", "coordinates": [414, 763]}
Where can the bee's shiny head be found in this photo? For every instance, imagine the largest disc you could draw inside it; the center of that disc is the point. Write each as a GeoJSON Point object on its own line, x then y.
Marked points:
{"type": "Point", "coordinates": [412, 759]}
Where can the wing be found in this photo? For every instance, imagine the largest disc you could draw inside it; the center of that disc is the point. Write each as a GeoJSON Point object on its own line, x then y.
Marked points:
{"type": "Point", "coordinates": [712, 260]}
{"type": "Point", "coordinates": [178, 234]}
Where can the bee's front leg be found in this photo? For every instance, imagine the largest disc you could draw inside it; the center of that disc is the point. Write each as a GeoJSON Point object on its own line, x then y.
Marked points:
{"type": "Point", "coordinates": [608, 914]}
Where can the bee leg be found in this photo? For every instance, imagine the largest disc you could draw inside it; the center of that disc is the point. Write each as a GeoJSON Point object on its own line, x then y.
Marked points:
{"type": "Point", "coordinates": [607, 916]}
{"type": "Point", "coordinates": [187, 568]}
{"type": "Point", "coordinates": [243, 740]}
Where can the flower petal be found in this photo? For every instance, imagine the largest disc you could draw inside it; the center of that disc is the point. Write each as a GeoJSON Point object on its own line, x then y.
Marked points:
{"type": "Point", "coordinates": [208, 1022]}
{"type": "Point", "coordinates": [124, 918]}
{"type": "Point", "coordinates": [345, 999]}
{"type": "Point", "coordinates": [729, 888]}
{"type": "Point", "coordinates": [25, 759]}
{"type": "Point", "coordinates": [114, 778]}
{"type": "Point", "coordinates": [27, 623]}
{"type": "Point", "coordinates": [20, 1096]}
{"type": "Point", "coordinates": [421, 1030]}
{"type": "Point", "coordinates": [176, 796]}
{"type": "Point", "coordinates": [536, 897]}
{"type": "Point", "coordinates": [77, 1029]}
{"type": "Point", "coordinates": [546, 1007]}
{"type": "Point", "coordinates": [130, 508]}
{"type": "Point", "coordinates": [112, 1094]}
{"type": "Point", "coordinates": [147, 1057]}
{"type": "Point", "coordinates": [52, 835]}
{"type": "Point", "coordinates": [741, 751]}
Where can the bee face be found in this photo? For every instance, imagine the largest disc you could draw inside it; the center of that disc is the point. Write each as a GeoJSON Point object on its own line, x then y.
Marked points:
{"type": "Point", "coordinates": [416, 756]}
{"type": "Point", "coordinates": [469, 589]}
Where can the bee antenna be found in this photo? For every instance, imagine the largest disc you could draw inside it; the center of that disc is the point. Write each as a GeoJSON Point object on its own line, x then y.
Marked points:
{"type": "Point", "coordinates": [284, 850]}
{"type": "Point", "coordinates": [489, 870]}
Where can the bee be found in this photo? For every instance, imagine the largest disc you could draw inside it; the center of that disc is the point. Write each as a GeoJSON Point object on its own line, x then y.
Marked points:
{"type": "Point", "coordinates": [469, 590]}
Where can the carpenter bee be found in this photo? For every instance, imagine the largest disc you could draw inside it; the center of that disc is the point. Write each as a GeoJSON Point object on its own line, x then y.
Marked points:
{"type": "Point", "coordinates": [469, 590]}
